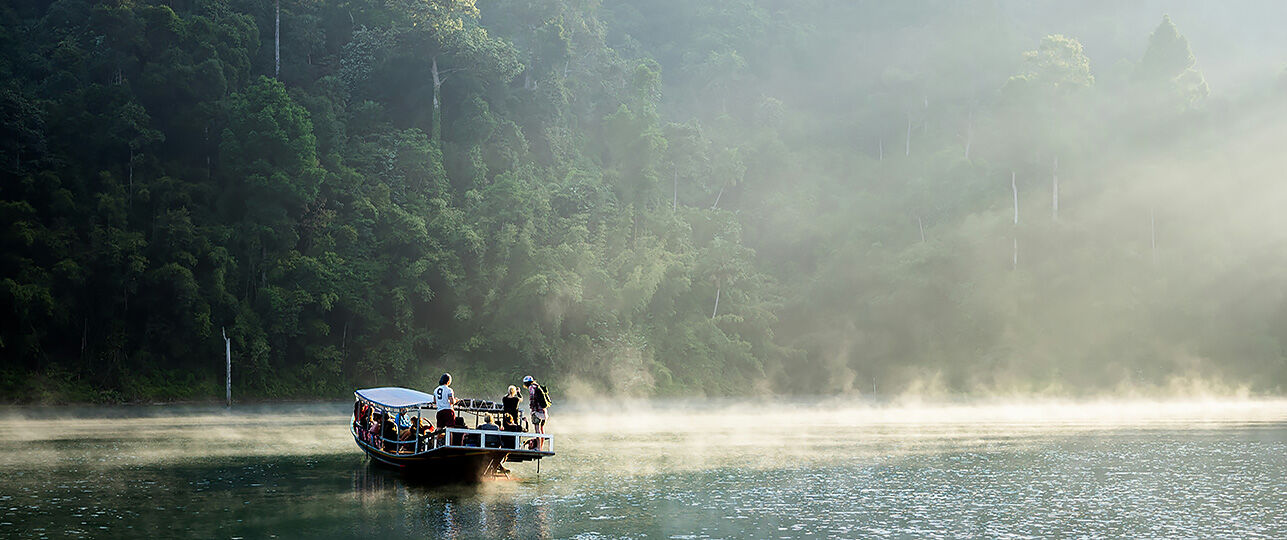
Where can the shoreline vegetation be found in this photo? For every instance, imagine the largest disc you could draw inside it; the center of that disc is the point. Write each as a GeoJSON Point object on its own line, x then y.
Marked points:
{"type": "Point", "coordinates": [905, 407]}
{"type": "Point", "coordinates": [1177, 390]}
{"type": "Point", "coordinates": [713, 198]}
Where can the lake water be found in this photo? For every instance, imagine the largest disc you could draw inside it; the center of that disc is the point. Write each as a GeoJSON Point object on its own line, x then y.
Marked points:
{"type": "Point", "coordinates": [697, 470]}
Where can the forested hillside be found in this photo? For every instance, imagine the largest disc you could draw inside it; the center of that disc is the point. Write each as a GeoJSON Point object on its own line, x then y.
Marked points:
{"type": "Point", "coordinates": [671, 197]}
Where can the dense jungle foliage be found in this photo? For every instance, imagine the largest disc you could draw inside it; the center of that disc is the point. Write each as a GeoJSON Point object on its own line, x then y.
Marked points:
{"type": "Point", "coordinates": [669, 197]}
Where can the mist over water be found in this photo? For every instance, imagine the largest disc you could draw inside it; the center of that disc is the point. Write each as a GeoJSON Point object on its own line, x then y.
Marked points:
{"type": "Point", "coordinates": [668, 469]}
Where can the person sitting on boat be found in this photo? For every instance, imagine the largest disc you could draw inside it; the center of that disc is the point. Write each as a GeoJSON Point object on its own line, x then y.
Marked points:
{"type": "Point", "coordinates": [510, 423]}
{"type": "Point", "coordinates": [402, 423]}
{"type": "Point", "coordinates": [424, 431]}
{"type": "Point", "coordinates": [459, 439]}
{"type": "Point", "coordinates": [388, 434]}
{"type": "Point", "coordinates": [540, 402]}
{"type": "Point", "coordinates": [444, 399]}
{"type": "Point", "coordinates": [363, 420]}
{"type": "Point", "coordinates": [406, 439]}
{"type": "Point", "coordinates": [373, 428]}
{"type": "Point", "coordinates": [488, 425]}
{"type": "Point", "coordinates": [509, 403]}
{"type": "Point", "coordinates": [359, 418]}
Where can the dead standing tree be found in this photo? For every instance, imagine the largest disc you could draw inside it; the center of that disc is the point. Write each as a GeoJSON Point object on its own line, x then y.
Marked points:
{"type": "Point", "coordinates": [439, 77]}
{"type": "Point", "coordinates": [1014, 188]}
{"type": "Point", "coordinates": [277, 38]}
{"type": "Point", "coordinates": [227, 351]}
{"type": "Point", "coordinates": [908, 152]}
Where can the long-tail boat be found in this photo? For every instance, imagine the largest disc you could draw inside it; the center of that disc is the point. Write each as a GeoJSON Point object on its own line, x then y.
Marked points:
{"type": "Point", "coordinates": [391, 424]}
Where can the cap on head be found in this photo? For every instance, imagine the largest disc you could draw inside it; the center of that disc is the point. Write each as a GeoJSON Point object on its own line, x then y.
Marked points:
{"type": "Point", "coordinates": [528, 380]}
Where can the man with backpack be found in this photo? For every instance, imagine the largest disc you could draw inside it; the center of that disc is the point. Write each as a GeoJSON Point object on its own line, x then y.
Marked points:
{"type": "Point", "coordinates": [540, 401]}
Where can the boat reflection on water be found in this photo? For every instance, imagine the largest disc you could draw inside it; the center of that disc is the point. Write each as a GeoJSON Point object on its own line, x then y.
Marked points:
{"type": "Point", "coordinates": [372, 485]}
{"type": "Point", "coordinates": [448, 510]}
{"type": "Point", "coordinates": [500, 517]}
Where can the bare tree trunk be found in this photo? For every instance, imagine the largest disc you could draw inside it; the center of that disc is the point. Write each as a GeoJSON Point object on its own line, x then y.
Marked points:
{"type": "Point", "coordinates": [227, 351]}
{"type": "Point", "coordinates": [969, 135]}
{"type": "Point", "coordinates": [437, 84]}
{"type": "Point", "coordinates": [674, 201]}
{"type": "Point", "coordinates": [921, 226]}
{"type": "Point", "coordinates": [277, 39]}
{"type": "Point", "coordinates": [527, 72]}
{"type": "Point", "coordinates": [909, 133]}
{"type": "Point", "coordinates": [717, 290]}
{"type": "Point", "coordinates": [1054, 179]}
{"type": "Point", "coordinates": [881, 147]}
{"type": "Point", "coordinates": [720, 194]}
{"type": "Point", "coordinates": [84, 337]}
{"type": "Point", "coordinates": [1014, 187]}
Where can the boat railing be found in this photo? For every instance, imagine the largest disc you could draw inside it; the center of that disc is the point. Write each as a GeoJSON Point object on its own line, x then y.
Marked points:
{"type": "Point", "coordinates": [398, 445]}
{"type": "Point", "coordinates": [490, 438]}
{"type": "Point", "coordinates": [461, 438]}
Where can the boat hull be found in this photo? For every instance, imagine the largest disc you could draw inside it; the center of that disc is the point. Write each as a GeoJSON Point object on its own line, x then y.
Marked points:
{"type": "Point", "coordinates": [450, 463]}
{"type": "Point", "coordinates": [459, 466]}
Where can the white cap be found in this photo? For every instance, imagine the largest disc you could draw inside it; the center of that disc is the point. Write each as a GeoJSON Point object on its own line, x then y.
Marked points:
{"type": "Point", "coordinates": [528, 379]}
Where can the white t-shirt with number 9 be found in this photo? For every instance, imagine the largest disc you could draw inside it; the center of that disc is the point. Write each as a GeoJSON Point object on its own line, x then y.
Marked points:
{"type": "Point", "coordinates": [442, 397]}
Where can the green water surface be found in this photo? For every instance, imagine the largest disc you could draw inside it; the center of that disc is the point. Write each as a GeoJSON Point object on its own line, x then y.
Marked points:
{"type": "Point", "coordinates": [294, 473]}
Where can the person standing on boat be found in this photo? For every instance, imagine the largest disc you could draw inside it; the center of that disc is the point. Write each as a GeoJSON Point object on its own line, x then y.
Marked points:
{"type": "Point", "coordinates": [444, 399]}
{"type": "Point", "coordinates": [540, 401]}
{"type": "Point", "coordinates": [509, 405]}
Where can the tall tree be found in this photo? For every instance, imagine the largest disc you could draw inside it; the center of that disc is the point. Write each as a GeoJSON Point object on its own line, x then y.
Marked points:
{"type": "Point", "coordinates": [455, 42]}
{"type": "Point", "coordinates": [1170, 66]}
{"type": "Point", "coordinates": [1058, 64]}
{"type": "Point", "coordinates": [268, 157]}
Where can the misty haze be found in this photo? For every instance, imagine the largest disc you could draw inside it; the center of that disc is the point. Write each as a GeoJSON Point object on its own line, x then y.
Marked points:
{"type": "Point", "coordinates": [805, 268]}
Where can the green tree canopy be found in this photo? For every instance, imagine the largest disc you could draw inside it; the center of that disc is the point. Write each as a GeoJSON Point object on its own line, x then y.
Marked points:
{"type": "Point", "coordinates": [1169, 65]}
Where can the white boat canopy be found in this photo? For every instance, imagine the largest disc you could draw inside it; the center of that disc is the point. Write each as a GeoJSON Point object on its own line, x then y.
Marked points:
{"type": "Point", "coordinates": [395, 397]}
